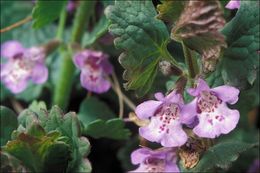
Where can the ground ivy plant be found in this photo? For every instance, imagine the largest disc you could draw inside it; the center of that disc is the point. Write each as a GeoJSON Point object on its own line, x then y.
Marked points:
{"type": "Point", "coordinates": [139, 86]}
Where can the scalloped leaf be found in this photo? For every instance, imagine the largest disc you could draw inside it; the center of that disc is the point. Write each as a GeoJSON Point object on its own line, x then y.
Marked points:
{"type": "Point", "coordinates": [143, 39]}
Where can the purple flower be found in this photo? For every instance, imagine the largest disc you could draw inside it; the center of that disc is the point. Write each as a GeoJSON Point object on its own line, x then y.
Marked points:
{"type": "Point", "coordinates": [254, 167]}
{"type": "Point", "coordinates": [233, 4]}
{"type": "Point", "coordinates": [165, 126]}
{"type": "Point", "coordinates": [22, 66]}
{"type": "Point", "coordinates": [210, 107]}
{"type": "Point", "coordinates": [94, 68]}
{"type": "Point", "coordinates": [161, 160]}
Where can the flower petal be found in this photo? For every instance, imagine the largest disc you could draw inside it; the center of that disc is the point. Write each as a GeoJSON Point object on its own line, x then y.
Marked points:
{"type": "Point", "coordinates": [16, 87]}
{"type": "Point", "coordinates": [147, 109]}
{"type": "Point", "coordinates": [171, 167]}
{"type": "Point", "coordinates": [97, 85]}
{"type": "Point", "coordinates": [201, 86]}
{"type": "Point", "coordinates": [227, 93]}
{"type": "Point", "coordinates": [11, 48]}
{"type": "Point", "coordinates": [176, 137]}
{"type": "Point", "coordinates": [35, 54]}
{"type": "Point", "coordinates": [213, 124]}
{"type": "Point", "coordinates": [151, 132]}
{"type": "Point", "coordinates": [107, 66]}
{"type": "Point", "coordinates": [39, 73]}
{"type": "Point", "coordinates": [159, 96]}
{"type": "Point", "coordinates": [139, 155]}
{"type": "Point", "coordinates": [79, 60]}
{"type": "Point", "coordinates": [189, 112]}
{"type": "Point", "coordinates": [233, 4]}
{"type": "Point", "coordinates": [173, 97]}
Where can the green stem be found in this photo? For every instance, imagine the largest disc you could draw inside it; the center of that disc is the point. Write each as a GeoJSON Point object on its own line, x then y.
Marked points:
{"type": "Point", "coordinates": [64, 84]}
{"type": "Point", "coordinates": [190, 62]}
{"type": "Point", "coordinates": [62, 22]}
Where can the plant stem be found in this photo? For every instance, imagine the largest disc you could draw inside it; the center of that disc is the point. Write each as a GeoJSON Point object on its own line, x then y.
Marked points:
{"type": "Point", "coordinates": [64, 84]}
{"type": "Point", "coordinates": [119, 94]}
{"type": "Point", "coordinates": [190, 62]}
{"type": "Point", "coordinates": [62, 22]}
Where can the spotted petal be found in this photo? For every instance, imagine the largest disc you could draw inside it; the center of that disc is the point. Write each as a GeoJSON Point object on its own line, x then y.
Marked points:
{"type": "Point", "coordinates": [221, 121]}
{"type": "Point", "coordinates": [176, 137]}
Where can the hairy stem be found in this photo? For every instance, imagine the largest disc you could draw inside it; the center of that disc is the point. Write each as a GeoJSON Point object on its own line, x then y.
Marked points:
{"type": "Point", "coordinates": [190, 62]}
{"type": "Point", "coordinates": [64, 84]}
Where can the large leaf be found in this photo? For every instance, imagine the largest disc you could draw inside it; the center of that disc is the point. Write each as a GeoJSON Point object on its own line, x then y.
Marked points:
{"type": "Point", "coordinates": [113, 129]}
{"type": "Point", "coordinates": [221, 155]}
{"type": "Point", "coordinates": [240, 63]}
{"type": "Point", "coordinates": [45, 12]}
{"type": "Point", "coordinates": [143, 39]}
{"type": "Point", "coordinates": [8, 124]}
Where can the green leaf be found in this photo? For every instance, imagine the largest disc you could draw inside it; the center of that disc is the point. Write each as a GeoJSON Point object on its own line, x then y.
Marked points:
{"type": "Point", "coordinates": [34, 147]}
{"type": "Point", "coordinates": [92, 109]}
{"type": "Point", "coordinates": [113, 129]}
{"type": "Point", "coordinates": [221, 155]}
{"type": "Point", "coordinates": [8, 124]}
{"type": "Point", "coordinates": [99, 29]}
{"type": "Point", "coordinates": [45, 12]}
{"type": "Point", "coordinates": [240, 62]}
{"type": "Point", "coordinates": [143, 39]}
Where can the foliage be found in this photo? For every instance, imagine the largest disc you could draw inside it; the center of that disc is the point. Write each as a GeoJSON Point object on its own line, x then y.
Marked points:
{"type": "Point", "coordinates": [143, 39]}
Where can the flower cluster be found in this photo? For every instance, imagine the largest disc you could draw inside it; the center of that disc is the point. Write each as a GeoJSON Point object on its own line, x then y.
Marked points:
{"type": "Point", "coordinates": [95, 67]}
{"type": "Point", "coordinates": [23, 65]}
{"type": "Point", "coordinates": [208, 115]}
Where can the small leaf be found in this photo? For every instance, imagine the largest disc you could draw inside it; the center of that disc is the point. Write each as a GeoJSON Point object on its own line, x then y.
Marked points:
{"type": "Point", "coordinates": [221, 155]}
{"type": "Point", "coordinates": [10, 163]}
{"type": "Point", "coordinates": [45, 12]}
{"type": "Point", "coordinates": [8, 124]}
{"type": "Point", "coordinates": [99, 29]}
{"type": "Point", "coordinates": [92, 109]}
{"type": "Point", "coordinates": [143, 39]}
{"type": "Point", "coordinates": [113, 129]}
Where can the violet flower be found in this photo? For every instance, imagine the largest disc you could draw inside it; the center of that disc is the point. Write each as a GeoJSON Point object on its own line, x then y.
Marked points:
{"type": "Point", "coordinates": [165, 126]}
{"type": "Point", "coordinates": [95, 67]}
{"type": "Point", "coordinates": [210, 108]}
{"type": "Point", "coordinates": [161, 160]}
{"type": "Point", "coordinates": [22, 66]}
{"type": "Point", "coordinates": [233, 4]}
